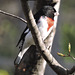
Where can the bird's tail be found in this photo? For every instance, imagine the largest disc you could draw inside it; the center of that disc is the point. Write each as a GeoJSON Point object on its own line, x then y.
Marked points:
{"type": "Point", "coordinates": [20, 56]}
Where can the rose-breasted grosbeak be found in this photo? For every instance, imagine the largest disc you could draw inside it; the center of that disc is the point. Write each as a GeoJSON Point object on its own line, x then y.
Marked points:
{"type": "Point", "coordinates": [45, 20]}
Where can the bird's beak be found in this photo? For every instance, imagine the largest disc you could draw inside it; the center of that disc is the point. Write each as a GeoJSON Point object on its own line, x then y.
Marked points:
{"type": "Point", "coordinates": [56, 13]}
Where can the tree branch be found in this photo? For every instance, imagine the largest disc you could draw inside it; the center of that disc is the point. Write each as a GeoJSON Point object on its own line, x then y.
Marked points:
{"type": "Point", "coordinates": [39, 43]}
{"type": "Point", "coordinates": [32, 62]}
{"type": "Point", "coordinates": [37, 38]}
{"type": "Point", "coordinates": [60, 70]}
{"type": "Point", "coordinates": [12, 15]}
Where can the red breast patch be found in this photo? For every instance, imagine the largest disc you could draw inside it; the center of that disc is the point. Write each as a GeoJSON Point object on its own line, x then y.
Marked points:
{"type": "Point", "coordinates": [50, 22]}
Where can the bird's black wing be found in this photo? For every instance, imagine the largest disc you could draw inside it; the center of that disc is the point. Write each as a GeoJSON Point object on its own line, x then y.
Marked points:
{"type": "Point", "coordinates": [22, 38]}
{"type": "Point", "coordinates": [38, 15]}
{"type": "Point", "coordinates": [26, 30]}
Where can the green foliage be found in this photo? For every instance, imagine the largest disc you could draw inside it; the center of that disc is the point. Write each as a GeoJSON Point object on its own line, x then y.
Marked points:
{"type": "Point", "coordinates": [68, 35]}
{"type": "Point", "coordinates": [8, 33]}
{"type": "Point", "coordinates": [3, 72]}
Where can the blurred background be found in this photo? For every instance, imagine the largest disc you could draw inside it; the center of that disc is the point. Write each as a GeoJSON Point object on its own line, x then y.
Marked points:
{"type": "Point", "coordinates": [11, 29]}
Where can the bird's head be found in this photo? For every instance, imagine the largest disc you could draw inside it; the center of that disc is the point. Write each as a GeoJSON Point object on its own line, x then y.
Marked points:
{"type": "Point", "coordinates": [49, 11]}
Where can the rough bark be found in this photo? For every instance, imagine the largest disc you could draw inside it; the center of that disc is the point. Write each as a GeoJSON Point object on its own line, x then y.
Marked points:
{"type": "Point", "coordinates": [31, 64]}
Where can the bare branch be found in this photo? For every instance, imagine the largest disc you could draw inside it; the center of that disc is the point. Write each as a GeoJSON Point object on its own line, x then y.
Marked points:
{"type": "Point", "coordinates": [38, 41]}
{"type": "Point", "coordinates": [60, 70]}
{"type": "Point", "coordinates": [32, 62]}
{"type": "Point", "coordinates": [12, 15]}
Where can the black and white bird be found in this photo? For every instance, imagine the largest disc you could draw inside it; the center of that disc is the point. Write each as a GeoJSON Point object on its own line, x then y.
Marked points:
{"type": "Point", "coordinates": [45, 20]}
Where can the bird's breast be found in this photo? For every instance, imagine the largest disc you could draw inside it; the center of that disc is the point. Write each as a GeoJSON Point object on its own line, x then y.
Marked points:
{"type": "Point", "coordinates": [45, 25]}
{"type": "Point", "coordinates": [50, 23]}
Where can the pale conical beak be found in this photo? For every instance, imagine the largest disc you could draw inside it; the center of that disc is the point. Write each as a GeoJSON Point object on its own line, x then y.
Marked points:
{"type": "Point", "coordinates": [56, 14]}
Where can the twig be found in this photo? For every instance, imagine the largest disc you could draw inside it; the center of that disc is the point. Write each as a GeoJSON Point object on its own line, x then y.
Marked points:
{"type": "Point", "coordinates": [12, 15]}
{"type": "Point", "coordinates": [72, 57]}
{"type": "Point", "coordinates": [67, 55]}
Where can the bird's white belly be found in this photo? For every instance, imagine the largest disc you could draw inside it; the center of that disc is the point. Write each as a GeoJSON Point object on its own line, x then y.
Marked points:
{"type": "Point", "coordinates": [42, 26]}
{"type": "Point", "coordinates": [28, 40]}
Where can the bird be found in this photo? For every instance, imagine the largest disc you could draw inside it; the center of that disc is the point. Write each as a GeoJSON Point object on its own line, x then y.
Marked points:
{"type": "Point", "coordinates": [45, 20]}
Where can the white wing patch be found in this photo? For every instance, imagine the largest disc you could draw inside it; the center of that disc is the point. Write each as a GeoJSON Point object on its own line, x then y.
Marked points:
{"type": "Point", "coordinates": [27, 30]}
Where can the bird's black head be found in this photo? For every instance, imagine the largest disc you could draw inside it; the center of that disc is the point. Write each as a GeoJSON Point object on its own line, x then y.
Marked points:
{"type": "Point", "coordinates": [48, 11]}
{"type": "Point", "coordinates": [45, 11]}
